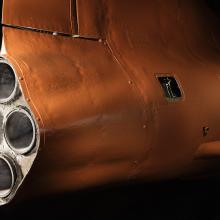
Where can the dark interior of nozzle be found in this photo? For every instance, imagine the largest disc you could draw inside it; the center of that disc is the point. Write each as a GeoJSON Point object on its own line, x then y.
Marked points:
{"type": "Point", "coordinates": [7, 81]}
{"type": "Point", "coordinates": [6, 179]}
{"type": "Point", "coordinates": [19, 130]}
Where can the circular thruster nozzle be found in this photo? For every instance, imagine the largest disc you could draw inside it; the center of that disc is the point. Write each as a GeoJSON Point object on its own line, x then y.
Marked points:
{"type": "Point", "coordinates": [20, 131]}
{"type": "Point", "coordinates": [7, 177]}
{"type": "Point", "coordinates": [8, 82]}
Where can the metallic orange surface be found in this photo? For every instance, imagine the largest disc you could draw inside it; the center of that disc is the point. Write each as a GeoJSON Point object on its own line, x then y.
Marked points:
{"type": "Point", "coordinates": [53, 15]}
{"type": "Point", "coordinates": [100, 107]}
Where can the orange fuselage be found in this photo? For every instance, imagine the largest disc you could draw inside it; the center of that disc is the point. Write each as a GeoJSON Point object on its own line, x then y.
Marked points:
{"type": "Point", "coordinates": [90, 72]}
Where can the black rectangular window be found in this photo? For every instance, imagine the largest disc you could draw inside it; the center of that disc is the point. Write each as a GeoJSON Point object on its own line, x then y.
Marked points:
{"type": "Point", "coordinates": [170, 87]}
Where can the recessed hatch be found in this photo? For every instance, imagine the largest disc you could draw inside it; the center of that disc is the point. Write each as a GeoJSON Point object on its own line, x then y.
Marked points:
{"type": "Point", "coordinates": [170, 87]}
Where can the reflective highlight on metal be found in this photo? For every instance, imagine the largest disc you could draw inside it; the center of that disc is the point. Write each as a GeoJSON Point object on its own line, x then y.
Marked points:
{"type": "Point", "coordinates": [7, 177]}
{"type": "Point", "coordinates": [19, 131]}
{"type": "Point", "coordinates": [8, 83]}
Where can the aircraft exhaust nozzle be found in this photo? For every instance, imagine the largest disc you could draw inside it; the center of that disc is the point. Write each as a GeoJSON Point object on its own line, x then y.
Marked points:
{"type": "Point", "coordinates": [19, 133]}
{"type": "Point", "coordinates": [7, 83]}
{"type": "Point", "coordinates": [7, 177]}
{"type": "Point", "coordinates": [19, 130]}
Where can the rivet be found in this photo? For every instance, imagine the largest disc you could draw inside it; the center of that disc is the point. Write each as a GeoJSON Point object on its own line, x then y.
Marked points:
{"type": "Point", "coordinates": [38, 119]}
{"type": "Point", "coordinates": [28, 100]}
{"type": "Point", "coordinates": [144, 126]}
{"type": "Point", "coordinates": [100, 40]}
{"type": "Point", "coordinates": [130, 82]}
{"type": "Point", "coordinates": [20, 78]}
{"type": "Point", "coordinates": [55, 33]}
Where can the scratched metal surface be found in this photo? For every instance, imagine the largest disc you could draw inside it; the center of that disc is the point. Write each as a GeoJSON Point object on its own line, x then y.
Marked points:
{"type": "Point", "coordinates": [100, 106]}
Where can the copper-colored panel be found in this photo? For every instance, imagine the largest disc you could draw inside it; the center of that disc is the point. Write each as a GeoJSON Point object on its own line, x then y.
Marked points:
{"type": "Point", "coordinates": [51, 15]}
{"type": "Point", "coordinates": [152, 38]}
{"type": "Point", "coordinates": [209, 150]}
{"type": "Point", "coordinates": [91, 116]}
{"type": "Point", "coordinates": [90, 17]}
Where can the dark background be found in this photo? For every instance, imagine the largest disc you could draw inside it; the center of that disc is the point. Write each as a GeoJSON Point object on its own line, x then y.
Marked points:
{"type": "Point", "coordinates": [215, 5]}
{"type": "Point", "coordinates": [179, 200]}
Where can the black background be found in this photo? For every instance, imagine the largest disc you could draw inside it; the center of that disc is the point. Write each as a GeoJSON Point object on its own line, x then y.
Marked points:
{"type": "Point", "coordinates": [179, 200]}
